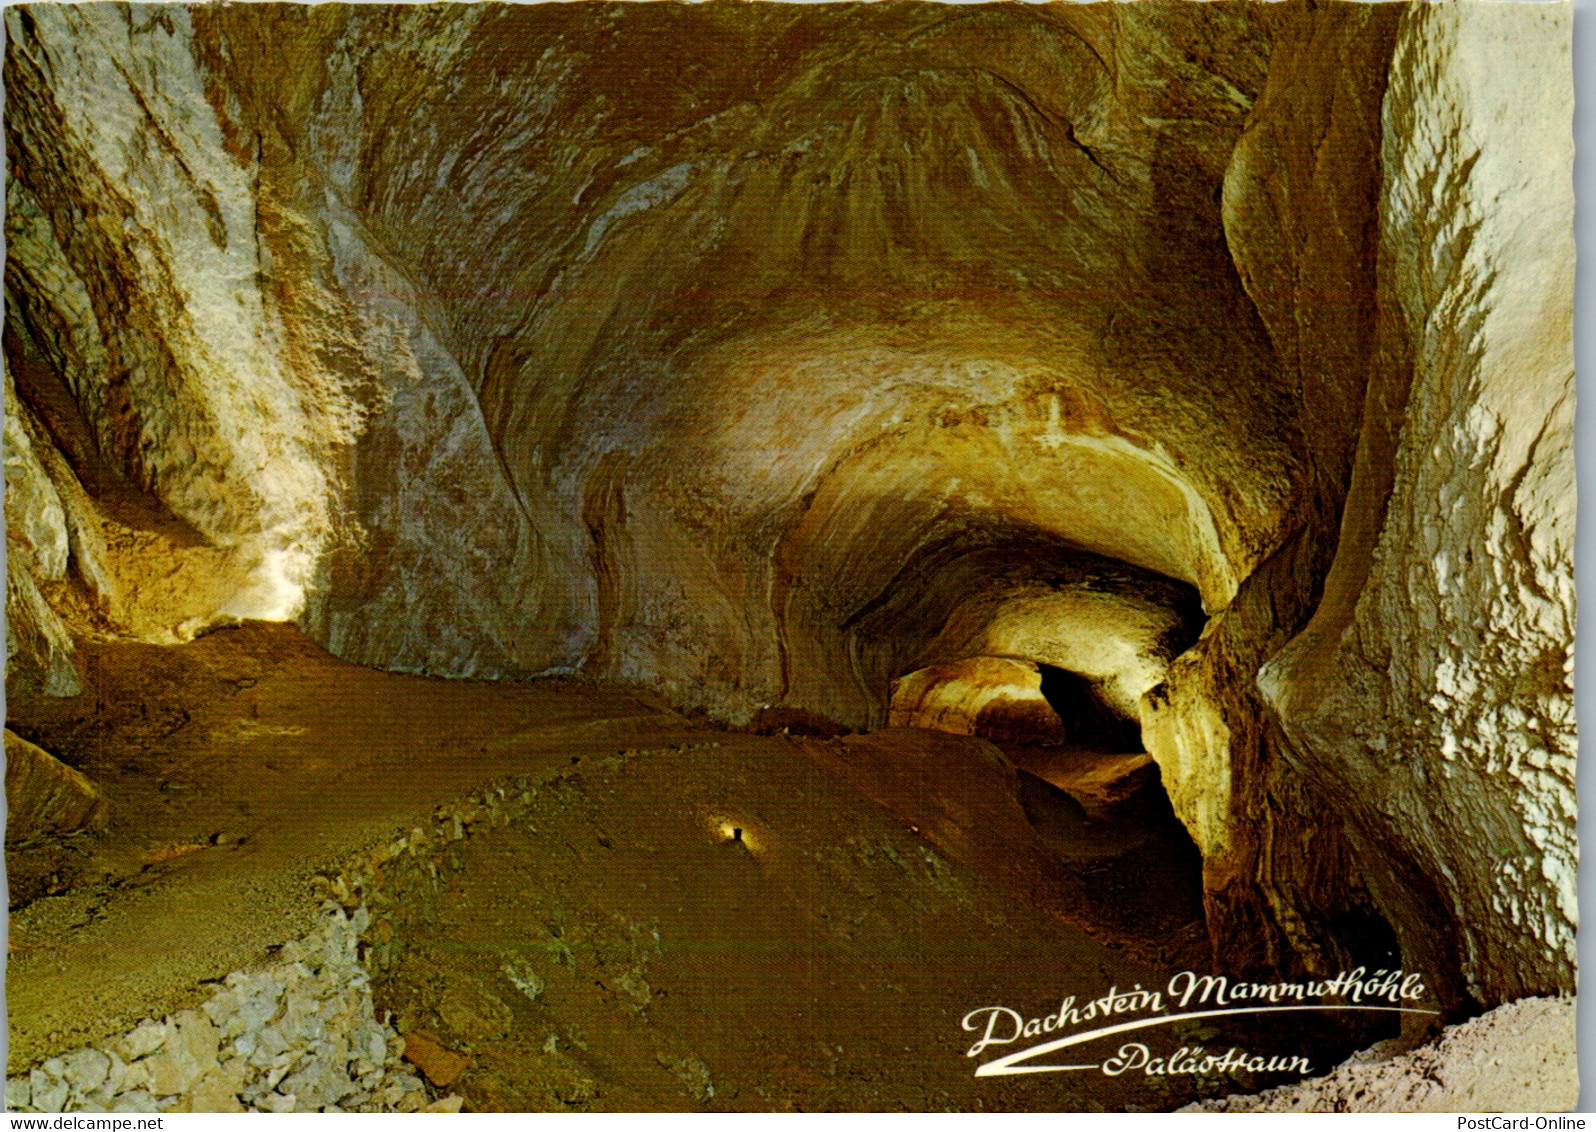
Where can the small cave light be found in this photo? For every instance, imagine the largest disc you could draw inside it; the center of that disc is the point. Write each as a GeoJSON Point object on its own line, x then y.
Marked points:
{"type": "Point", "coordinates": [734, 832]}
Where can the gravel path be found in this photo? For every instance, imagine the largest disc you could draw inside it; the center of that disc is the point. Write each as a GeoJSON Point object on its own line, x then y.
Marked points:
{"type": "Point", "coordinates": [1516, 1058]}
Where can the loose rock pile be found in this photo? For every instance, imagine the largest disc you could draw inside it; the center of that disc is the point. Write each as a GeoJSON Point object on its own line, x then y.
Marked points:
{"type": "Point", "coordinates": [1519, 1057]}
{"type": "Point", "coordinates": [301, 1035]}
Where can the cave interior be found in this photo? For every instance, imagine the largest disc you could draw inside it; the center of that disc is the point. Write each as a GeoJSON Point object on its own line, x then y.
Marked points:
{"type": "Point", "coordinates": [755, 553]}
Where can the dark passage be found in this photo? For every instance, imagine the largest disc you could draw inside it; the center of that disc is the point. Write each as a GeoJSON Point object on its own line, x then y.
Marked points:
{"type": "Point", "coordinates": [1088, 720]}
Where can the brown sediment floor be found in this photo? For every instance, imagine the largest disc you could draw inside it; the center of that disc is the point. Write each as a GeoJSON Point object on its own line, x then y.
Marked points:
{"type": "Point", "coordinates": [622, 947]}
{"type": "Point", "coordinates": [248, 760]}
{"type": "Point", "coordinates": [684, 917]}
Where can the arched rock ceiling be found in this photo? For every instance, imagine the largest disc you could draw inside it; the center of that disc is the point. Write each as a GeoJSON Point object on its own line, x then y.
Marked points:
{"type": "Point", "coordinates": [992, 697]}
{"type": "Point", "coordinates": [799, 300]}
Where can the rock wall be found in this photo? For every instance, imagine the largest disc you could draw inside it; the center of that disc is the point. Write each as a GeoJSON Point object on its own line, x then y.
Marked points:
{"type": "Point", "coordinates": [1431, 697]}
{"type": "Point", "coordinates": [131, 281]}
{"type": "Point", "coordinates": [542, 385]}
{"type": "Point", "coordinates": [206, 366]}
{"type": "Point", "coordinates": [1300, 213]}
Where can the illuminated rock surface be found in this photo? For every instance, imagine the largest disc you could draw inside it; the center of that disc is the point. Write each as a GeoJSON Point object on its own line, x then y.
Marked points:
{"type": "Point", "coordinates": [1516, 1058]}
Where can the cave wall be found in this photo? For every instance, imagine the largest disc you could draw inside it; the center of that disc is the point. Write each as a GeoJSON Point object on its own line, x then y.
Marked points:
{"type": "Point", "coordinates": [552, 391]}
{"type": "Point", "coordinates": [251, 404]}
{"type": "Point", "coordinates": [1301, 220]}
{"type": "Point", "coordinates": [1430, 698]}
{"type": "Point", "coordinates": [502, 340]}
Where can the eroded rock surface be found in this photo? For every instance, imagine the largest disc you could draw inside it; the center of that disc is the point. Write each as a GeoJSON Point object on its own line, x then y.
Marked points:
{"type": "Point", "coordinates": [45, 796]}
{"type": "Point", "coordinates": [1431, 694]}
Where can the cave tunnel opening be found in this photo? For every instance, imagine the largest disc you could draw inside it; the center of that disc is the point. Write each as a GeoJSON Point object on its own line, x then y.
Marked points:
{"type": "Point", "coordinates": [1087, 788]}
{"type": "Point", "coordinates": [1087, 718]}
{"type": "Point", "coordinates": [1049, 654]}
{"type": "Point", "coordinates": [1046, 650]}
{"type": "Point", "coordinates": [1039, 646]}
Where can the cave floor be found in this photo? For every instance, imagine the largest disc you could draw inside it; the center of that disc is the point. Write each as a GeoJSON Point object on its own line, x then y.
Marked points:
{"type": "Point", "coordinates": [237, 767]}
{"type": "Point", "coordinates": [879, 887]}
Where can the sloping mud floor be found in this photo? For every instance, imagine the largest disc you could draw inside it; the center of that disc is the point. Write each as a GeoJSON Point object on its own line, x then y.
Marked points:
{"type": "Point", "coordinates": [679, 917]}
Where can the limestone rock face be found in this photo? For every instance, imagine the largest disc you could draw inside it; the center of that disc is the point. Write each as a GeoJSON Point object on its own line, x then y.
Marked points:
{"type": "Point", "coordinates": [144, 310]}
{"type": "Point", "coordinates": [512, 354]}
{"type": "Point", "coordinates": [1300, 210]}
{"type": "Point", "coordinates": [510, 339]}
{"type": "Point", "coordinates": [38, 548]}
{"type": "Point", "coordinates": [44, 795]}
{"type": "Point", "coordinates": [1431, 693]}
